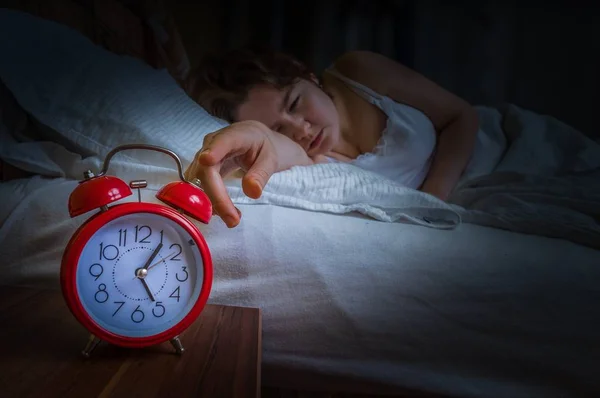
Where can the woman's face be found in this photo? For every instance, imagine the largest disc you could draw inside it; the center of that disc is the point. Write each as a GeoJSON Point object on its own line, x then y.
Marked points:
{"type": "Point", "coordinates": [302, 112]}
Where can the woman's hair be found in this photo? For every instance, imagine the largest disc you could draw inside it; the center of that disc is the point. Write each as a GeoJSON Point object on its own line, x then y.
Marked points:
{"type": "Point", "coordinates": [221, 82]}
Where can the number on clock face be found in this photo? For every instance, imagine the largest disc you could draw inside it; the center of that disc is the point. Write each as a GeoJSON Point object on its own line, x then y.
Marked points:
{"type": "Point", "coordinates": [139, 275]}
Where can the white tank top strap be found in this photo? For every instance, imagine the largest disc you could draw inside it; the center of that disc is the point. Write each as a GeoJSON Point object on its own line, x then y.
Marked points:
{"type": "Point", "coordinates": [362, 90]}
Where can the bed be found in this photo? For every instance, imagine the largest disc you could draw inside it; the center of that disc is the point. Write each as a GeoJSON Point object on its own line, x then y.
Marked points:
{"type": "Point", "coordinates": [365, 287]}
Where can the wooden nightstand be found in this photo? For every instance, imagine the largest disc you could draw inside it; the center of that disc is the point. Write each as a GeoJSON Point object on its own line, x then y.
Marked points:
{"type": "Point", "coordinates": [42, 342]}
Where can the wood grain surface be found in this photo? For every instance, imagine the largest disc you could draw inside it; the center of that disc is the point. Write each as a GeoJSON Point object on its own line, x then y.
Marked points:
{"type": "Point", "coordinates": [42, 343]}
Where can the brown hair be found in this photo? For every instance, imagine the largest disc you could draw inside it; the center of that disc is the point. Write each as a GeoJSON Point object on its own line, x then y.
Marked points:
{"type": "Point", "coordinates": [221, 82]}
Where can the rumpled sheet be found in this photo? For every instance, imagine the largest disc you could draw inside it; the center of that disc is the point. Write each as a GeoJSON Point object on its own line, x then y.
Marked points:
{"type": "Point", "coordinates": [547, 181]}
{"type": "Point", "coordinates": [343, 188]}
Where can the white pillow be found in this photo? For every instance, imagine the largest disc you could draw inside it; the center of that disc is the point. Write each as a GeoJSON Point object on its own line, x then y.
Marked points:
{"type": "Point", "coordinates": [92, 99]}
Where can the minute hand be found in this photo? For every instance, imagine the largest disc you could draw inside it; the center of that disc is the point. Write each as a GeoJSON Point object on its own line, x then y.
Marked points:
{"type": "Point", "coordinates": [153, 256]}
{"type": "Point", "coordinates": [161, 260]}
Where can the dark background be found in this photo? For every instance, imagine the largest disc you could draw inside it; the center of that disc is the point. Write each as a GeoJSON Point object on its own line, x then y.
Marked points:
{"type": "Point", "coordinates": [543, 56]}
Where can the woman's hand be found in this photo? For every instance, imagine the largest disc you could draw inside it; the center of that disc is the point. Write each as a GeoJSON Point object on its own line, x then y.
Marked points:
{"type": "Point", "coordinates": [251, 146]}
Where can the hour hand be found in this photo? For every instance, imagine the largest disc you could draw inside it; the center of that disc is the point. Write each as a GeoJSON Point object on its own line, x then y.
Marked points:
{"type": "Point", "coordinates": [153, 255]}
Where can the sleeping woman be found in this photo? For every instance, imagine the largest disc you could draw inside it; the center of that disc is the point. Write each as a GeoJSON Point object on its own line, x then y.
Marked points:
{"type": "Point", "coordinates": [363, 107]}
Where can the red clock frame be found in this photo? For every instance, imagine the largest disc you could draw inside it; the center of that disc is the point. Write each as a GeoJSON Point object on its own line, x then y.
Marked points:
{"type": "Point", "coordinates": [70, 262]}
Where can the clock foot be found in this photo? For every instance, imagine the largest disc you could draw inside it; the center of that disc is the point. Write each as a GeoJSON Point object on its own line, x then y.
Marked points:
{"type": "Point", "coordinates": [91, 344]}
{"type": "Point", "coordinates": [177, 344]}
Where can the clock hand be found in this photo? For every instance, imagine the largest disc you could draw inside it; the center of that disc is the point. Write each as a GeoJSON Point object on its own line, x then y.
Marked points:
{"type": "Point", "coordinates": [161, 260]}
{"type": "Point", "coordinates": [147, 289]}
{"type": "Point", "coordinates": [154, 253]}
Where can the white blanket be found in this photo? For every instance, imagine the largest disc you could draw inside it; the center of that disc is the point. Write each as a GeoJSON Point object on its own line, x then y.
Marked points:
{"type": "Point", "coordinates": [344, 188]}
{"type": "Point", "coordinates": [547, 181]}
{"type": "Point", "coordinates": [565, 207]}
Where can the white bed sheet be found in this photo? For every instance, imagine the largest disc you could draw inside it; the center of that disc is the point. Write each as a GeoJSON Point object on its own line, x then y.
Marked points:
{"type": "Point", "coordinates": [470, 312]}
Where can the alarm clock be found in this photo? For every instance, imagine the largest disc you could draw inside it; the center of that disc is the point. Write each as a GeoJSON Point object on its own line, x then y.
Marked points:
{"type": "Point", "coordinates": [135, 273]}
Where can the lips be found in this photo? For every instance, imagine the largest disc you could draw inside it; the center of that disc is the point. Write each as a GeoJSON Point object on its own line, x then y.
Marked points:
{"type": "Point", "coordinates": [316, 141]}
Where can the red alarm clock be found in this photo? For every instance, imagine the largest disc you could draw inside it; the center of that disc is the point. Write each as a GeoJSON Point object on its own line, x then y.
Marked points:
{"type": "Point", "coordinates": [137, 274]}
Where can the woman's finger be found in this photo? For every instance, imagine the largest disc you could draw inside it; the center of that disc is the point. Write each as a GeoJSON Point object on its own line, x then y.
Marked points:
{"type": "Point", "coordinates": [259, 173]}
{"type": "Point", "coordinates": [193, 170]}
{"type": "Point", "coordinates": [208, 138]}
{"type": "Point", "coordinates": [213, 186]}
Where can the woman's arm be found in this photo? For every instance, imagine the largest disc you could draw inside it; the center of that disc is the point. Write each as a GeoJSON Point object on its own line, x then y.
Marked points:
{"type": "Point", "coordinates": [454, 119]}
{"type": "Point", "coordinates": [454, 148]}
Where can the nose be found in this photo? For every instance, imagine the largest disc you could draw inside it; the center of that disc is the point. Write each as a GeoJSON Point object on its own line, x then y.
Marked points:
{"type": "Point", "coordinates": [300, 128]}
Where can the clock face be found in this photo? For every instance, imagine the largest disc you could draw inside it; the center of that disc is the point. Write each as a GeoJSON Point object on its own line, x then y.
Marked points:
{"type": "Point", "coordinates": [139, 275]}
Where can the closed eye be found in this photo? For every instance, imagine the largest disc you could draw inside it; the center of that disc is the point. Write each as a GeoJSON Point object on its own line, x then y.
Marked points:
{"type": "Point", "coordinates": [294, 104]}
